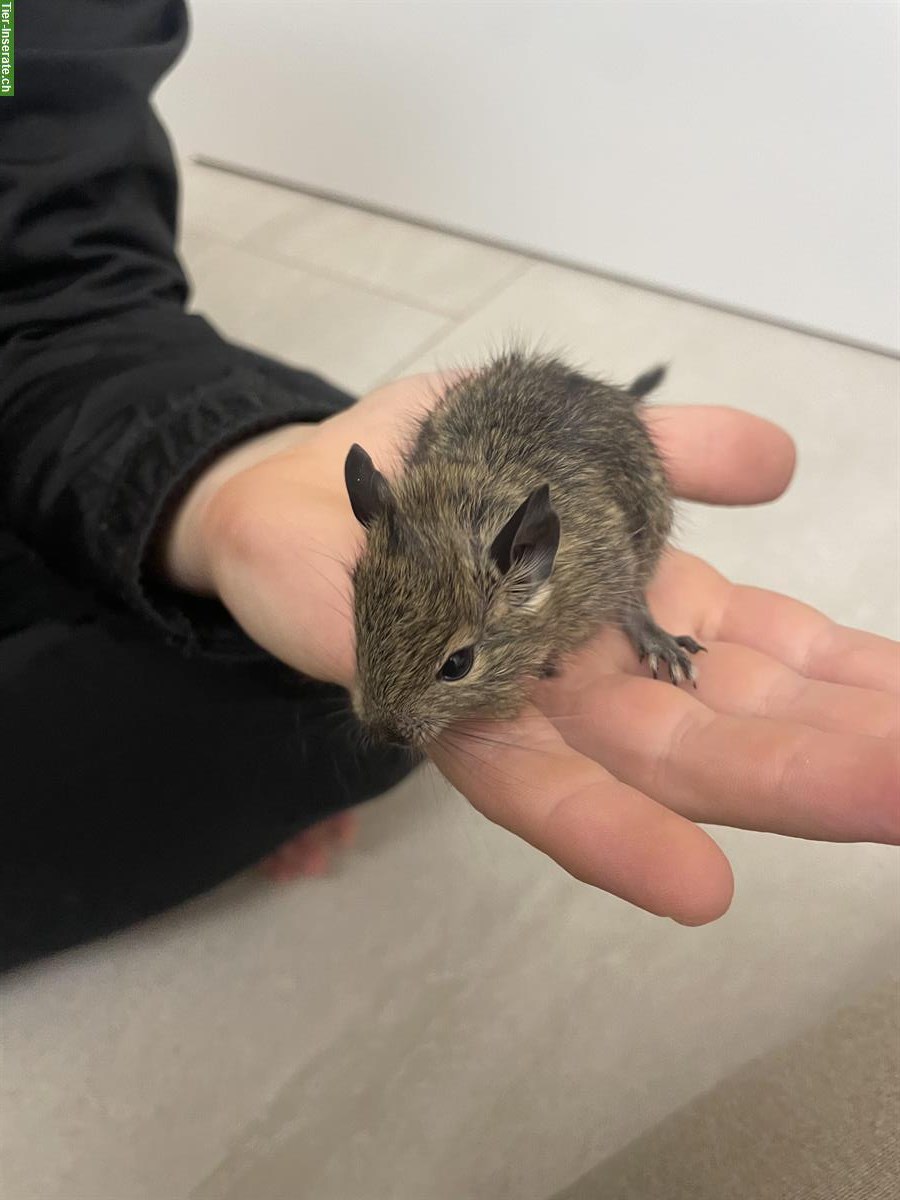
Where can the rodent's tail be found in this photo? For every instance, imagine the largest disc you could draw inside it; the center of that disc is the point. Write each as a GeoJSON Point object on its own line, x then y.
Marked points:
{"type": "Point", "coordinates": [646, 383]}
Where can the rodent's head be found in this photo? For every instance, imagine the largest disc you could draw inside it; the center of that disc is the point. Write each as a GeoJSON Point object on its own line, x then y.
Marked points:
{"type": "Point", "coordinates": [446, 627]}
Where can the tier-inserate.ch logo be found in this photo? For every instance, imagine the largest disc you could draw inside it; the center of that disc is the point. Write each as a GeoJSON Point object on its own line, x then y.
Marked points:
{"type": "Point", "coordinates": [7, 47]}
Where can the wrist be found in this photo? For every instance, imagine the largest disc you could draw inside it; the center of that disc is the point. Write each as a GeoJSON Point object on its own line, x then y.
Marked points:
{"type": "Point", "coordinates": [184, 554]}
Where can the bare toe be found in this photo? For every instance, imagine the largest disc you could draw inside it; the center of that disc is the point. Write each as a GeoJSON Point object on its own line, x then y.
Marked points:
{"type": "Point", "coordinates": [311, 852]}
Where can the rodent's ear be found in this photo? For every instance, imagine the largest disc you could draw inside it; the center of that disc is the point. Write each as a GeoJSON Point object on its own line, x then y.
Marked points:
{"type": "Point", "coordinates": [529, 539]}
{"type": "Point", "coordinates": [367, 488]}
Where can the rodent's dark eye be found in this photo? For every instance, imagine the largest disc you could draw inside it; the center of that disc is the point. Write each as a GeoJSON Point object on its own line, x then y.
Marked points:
{"type": "Point", "coordinates": [458, 665]}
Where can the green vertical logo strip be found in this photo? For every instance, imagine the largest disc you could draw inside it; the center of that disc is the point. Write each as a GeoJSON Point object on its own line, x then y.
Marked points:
{"type": "Point", "coordinates": [7, 47]}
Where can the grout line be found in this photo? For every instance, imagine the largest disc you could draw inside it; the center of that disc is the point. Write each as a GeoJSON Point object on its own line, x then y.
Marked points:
{"type": "Point", "coordinates": [522, 268]}
{"type": "Point", "coordinates": [449, 322]}
{"type": "Point", "coordinates": [246, 240]}
{"type": "Point", "coordinates": [643, 285]}
{"type": "Point", "coordinates": [191, 227]}
{"type": "Point", "coordinates": [398, 367]}
{"type": "Point", "coordinates": [404, 298]}
{"type": "Point", "coordinates": [300, 220]}
{"type": "Point", "coordinates": [353, 281]}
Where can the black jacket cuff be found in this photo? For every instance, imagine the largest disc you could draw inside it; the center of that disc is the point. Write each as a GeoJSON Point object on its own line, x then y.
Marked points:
{"type": "Point", "coordinates": [104, 430]}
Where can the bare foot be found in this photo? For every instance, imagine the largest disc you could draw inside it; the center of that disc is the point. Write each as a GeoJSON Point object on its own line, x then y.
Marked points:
{"type": "Point", "coordinates": [311, 851]}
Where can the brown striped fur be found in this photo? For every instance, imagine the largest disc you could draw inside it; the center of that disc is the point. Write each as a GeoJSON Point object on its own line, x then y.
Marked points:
{"type": "Point", "coordinates": [426, 584]}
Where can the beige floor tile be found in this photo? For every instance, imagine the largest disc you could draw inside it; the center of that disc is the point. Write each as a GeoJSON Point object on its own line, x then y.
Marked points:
{"type": "Point", "coordinates": [196, 249]}
{"type": "Point", "coordinates": [450, 1016]}
{"type": "Point", "coordinates": [423, 266]}
{"type": "Point", "coordinates": [343, 332]}
{"type": "Point", "coordinates": [231, 206]}
{"type": "Point", "coordinates": [495, 1070]}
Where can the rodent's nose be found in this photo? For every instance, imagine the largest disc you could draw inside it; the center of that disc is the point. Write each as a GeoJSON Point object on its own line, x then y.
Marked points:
{"type": "Point", "coordinates": [383, 729]}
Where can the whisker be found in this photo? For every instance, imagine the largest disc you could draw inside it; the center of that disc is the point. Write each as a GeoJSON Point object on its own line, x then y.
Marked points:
{"type": "Point", "coordinates": [541, 716]}
{"type": "Point", "coordinates": [347, 608]}
{"type": "Point", "coordinates": [486, 740]}
{"type": "Point", "coordinates": [316, 549]}
{"type": "Point", "coordinates": [483, 764]}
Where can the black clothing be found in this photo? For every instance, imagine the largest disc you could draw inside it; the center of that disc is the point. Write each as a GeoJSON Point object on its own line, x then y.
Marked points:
{"type": "Point", "coordinates": [147, 748]}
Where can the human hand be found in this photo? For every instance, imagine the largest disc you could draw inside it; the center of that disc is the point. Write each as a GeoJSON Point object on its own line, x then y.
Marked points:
{"type": "Point", "coordinates": [793, 729]}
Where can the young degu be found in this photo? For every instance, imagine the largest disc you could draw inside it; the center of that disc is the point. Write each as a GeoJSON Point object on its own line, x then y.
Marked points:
{"type": "Point", "coordinates": [532, 509]}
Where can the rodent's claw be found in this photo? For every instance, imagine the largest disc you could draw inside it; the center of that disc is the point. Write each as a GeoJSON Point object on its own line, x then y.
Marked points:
{"type": "Point", "coordinates": [682, 665]}
{"type": "Point", "coordinates": [657, 646]}
{"type": "Point", "coordinates": [689, 644]}
{"type": "Point", "coordinates": [679, 669]}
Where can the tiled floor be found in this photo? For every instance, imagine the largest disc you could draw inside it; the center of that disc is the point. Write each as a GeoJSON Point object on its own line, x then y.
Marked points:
{"type": "Point", "coordinates": [449, 1017]}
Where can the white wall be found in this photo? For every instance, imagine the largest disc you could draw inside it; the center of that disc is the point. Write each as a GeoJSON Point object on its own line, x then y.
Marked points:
{"type": "Point", "coordinates": [746, 153]}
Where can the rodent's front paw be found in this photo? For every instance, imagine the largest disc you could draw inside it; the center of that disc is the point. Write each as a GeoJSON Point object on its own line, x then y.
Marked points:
{"type": "Point", "coordinates": [658, 646]}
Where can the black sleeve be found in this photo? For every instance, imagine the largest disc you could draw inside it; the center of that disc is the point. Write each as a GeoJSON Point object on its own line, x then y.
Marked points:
{"type": "Point", "coordinates": [112, 398]}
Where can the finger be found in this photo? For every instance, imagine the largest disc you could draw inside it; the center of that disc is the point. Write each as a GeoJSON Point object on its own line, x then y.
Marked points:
{"type": "Point", "coordinates": [806, 640]}
{"type": "Point", "coordinates": [688, 595]}
{"type": "Point", "coordinates": [721, 455]}
{"type": "Point", "coordinates": [749, 772]}
{"type": "Point", "coordinates": [745, 682]}
{"type": "Point", "coordinates": [522, 775]}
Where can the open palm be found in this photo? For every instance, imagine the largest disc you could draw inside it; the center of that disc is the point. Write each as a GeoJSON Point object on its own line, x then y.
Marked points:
{"type": "Point", "coordinates": [793, 728]}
